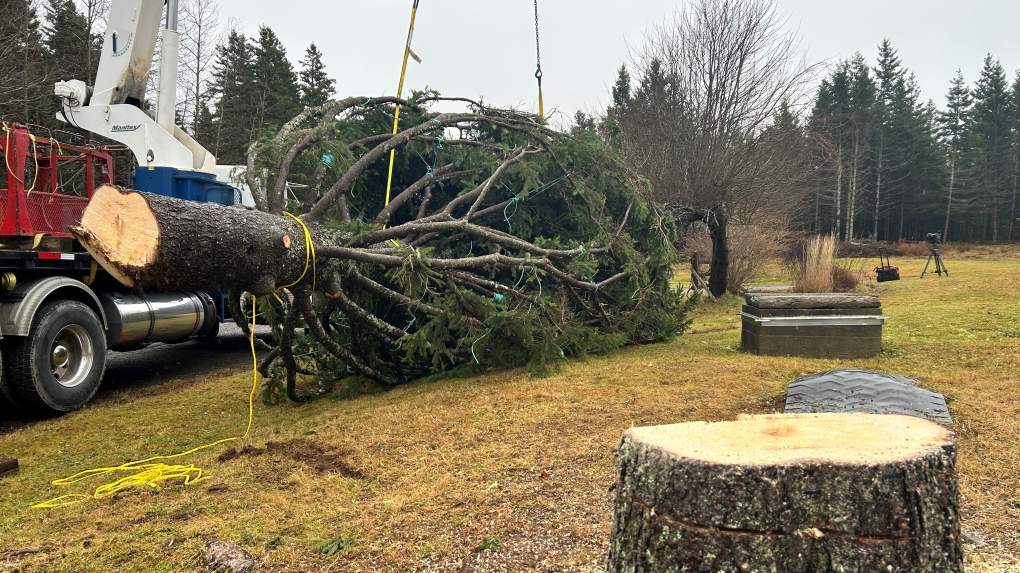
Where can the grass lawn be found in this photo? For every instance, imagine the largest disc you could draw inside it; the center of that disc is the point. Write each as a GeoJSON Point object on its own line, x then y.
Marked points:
{"type": "Point", "coordinates": [502, 472]}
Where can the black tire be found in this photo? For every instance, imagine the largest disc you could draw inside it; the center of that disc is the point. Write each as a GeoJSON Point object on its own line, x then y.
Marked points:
{"type": "Point", "coordinates": [59, 365]}
{"type": "Point", "coordinates": [8, 400]}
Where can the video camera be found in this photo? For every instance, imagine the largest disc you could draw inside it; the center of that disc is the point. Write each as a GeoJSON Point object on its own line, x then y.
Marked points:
{"type": "Point", "coordinates": [933, 240]}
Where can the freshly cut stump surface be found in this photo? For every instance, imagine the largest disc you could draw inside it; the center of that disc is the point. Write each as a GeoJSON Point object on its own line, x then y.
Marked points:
{"type": "Point", "coordinates": [788, 493]}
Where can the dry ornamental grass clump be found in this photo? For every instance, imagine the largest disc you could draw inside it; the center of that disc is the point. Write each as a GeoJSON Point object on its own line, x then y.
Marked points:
{"type": "Point", "coordinates": [819, 270]}
{"type": "Point", "coordinates": [817, 265]}
{"type": "Point", "coordinates": [751, 249]}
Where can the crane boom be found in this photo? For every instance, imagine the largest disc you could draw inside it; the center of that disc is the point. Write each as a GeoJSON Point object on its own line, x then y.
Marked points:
{"type": "Point", "coordinates": [128, 47]}
{"type": "Point", "coordinates": [170, 161]}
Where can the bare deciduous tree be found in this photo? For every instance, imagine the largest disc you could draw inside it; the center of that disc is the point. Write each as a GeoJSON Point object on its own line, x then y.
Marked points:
{"type": "Point", "coordinates": [711, 82]}
{"type": "Point", "coordinates": [96, 13]}
{"type": "Point", "coordinates": [199, 27]}
{"type": "Point", "coordinates": [19, 60]}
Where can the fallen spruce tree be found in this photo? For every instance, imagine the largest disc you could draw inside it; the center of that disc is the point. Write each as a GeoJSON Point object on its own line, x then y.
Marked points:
{"type": "Point", "coordinates": [503, 243]}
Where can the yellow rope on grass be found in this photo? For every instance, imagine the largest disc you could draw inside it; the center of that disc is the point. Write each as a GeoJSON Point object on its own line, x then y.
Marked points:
{"type": "Point", "coordinates": [148, 473]}
{"type": "Point", "coordinates": [151, 474]}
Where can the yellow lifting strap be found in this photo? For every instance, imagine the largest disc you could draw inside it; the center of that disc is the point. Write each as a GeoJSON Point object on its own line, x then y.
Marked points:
{"type": "Point", "coordinates": [400, 91]}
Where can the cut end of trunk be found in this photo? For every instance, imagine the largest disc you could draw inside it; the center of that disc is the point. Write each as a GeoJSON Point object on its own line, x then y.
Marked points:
{"type": "Point", "coordinates": [779, 439]}
{"type": "Point", "coordinates": [119, 229]}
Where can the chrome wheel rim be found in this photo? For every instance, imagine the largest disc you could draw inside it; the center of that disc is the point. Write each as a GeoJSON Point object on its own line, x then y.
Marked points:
{"type": "Point", "coordinates": [71, 356]}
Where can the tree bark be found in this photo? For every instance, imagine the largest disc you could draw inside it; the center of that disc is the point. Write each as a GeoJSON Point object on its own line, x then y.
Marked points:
{"type": "Point", "coordinates": [851, 202]}
{"type": "Point", "coordinates": [155, 242]}
{"type": "Point", "coordinates": [1012, 206]}
{"type": "Point", "coordinates": [796, 493]}
{"type": "Point", "coordinates": [717, 228]}
{"type": "Point", "coordinates": [901, 235]}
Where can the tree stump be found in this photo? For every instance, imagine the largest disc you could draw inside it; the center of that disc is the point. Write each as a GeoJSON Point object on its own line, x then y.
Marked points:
{"type": "Point", "coordinates": [789, 493]}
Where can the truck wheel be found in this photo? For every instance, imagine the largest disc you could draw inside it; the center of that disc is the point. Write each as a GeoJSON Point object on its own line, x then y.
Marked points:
{"type": "Point", "coordinates": [59, 365]}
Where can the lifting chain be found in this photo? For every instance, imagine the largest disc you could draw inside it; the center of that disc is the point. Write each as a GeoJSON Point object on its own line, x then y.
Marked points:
{"type": "Point", "coordinates": [538, 66]}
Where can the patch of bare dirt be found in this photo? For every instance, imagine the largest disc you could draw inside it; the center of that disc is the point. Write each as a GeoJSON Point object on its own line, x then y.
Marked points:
{"type": "Point", "coordinates": [233, 453]}
{"type": "Point", "coordinates": [301, 451]}
{"type": "Point", "coordinates": [772, 405]}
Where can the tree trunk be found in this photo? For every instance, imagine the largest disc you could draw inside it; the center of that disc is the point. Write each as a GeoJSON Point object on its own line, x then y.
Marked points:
{"type": "Point", "coordinates": [837, 230]}
{"type": "Point", "coordinates": [949, 202]}
{"type": "Point", "coordinates": [995, 213]}
{"type": "Point", "coordinates": [717, 274]}
{"type": "Point", "coordinates": [154, 242]}
{"type": "Point", "coordinates": [888, 220]}
{"type": "Point", "coordinates": [901, 235]}
{"type": "Point", "coordinates": [1012, 210]}
{"type": "Point", "coordinates": [818, 210]}
{"type": "Point", "coordinates": [851, 202]}
{"type": "Point", "coordinates": [795, 493]}
{"type": "Point", "coordinates": [878, 190]}
{"type": "Point", "coordinates": [1012, 204]}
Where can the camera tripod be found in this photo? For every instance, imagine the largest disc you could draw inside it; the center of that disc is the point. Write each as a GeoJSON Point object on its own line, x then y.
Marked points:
{"type": "Point", "coordinates": [933, 253]}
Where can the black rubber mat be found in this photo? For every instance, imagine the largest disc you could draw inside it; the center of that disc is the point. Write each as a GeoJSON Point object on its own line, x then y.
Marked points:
{"type": "Point", "coordinates": [856, 390]}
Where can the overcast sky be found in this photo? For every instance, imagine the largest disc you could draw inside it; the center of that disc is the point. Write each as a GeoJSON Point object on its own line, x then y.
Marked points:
{"type": "Point", "coordinates": [487, 47]}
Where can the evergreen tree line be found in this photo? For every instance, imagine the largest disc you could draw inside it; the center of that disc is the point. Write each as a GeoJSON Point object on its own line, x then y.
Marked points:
{"type": "Point", "coordinates": [890, 166]}
{"type": "Point", "coordinates": [253, 90]}
{"type": "Point", "coordinates": [41, 43]}
{"type": "Point", "coordinates": [881, 162]}
{"type": "Point", "coordinates": [232, 88]}
{"type": "Point", "coordinates": [868, 160]}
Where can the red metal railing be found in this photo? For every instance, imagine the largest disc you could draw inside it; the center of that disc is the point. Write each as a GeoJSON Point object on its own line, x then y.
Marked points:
{"type": "Point", "coordinates": [53, 213]}
{"type": "Point", "coordinates": [36, 196]}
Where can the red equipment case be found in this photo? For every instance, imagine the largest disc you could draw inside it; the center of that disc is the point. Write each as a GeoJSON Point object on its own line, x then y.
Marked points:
{"type": "Point", "coordinates": [886, 272]}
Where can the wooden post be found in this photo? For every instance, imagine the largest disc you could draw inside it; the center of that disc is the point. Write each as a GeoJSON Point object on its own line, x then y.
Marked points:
{"type": "Point", "coordinates": [795, 493]}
